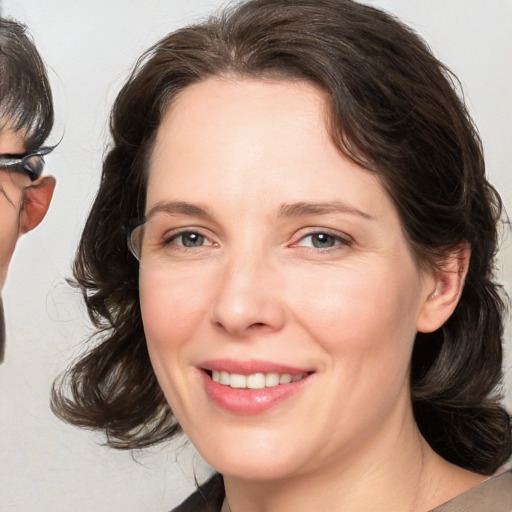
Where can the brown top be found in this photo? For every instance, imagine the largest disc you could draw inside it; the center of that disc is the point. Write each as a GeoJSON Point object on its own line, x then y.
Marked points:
{"type": "Point", "coordinates": [493, 495]}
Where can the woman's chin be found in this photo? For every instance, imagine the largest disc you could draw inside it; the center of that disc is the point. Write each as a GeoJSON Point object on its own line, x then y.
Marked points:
{"type": "Point", "coordinates": [252, 462]}
{"type": "Point", "coordinates": [261, 471]}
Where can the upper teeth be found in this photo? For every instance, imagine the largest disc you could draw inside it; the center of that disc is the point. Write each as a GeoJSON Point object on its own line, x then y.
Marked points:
{"type": "Point", "coordinates": [255, 380]}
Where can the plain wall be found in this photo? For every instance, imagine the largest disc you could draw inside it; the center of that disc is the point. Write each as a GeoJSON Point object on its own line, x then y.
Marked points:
{"type": "Point", "coordinates": [46, 465]}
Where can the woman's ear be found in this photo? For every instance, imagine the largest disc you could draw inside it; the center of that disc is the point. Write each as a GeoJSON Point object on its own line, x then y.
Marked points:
{"type": "Point", "coordinates": [448, 284]}
{"type": "Point", "coordinates": [36, 200]}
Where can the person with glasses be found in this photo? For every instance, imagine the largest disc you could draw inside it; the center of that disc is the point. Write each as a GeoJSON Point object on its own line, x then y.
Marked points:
{"type": "Point", "coordinates": [26, 120]}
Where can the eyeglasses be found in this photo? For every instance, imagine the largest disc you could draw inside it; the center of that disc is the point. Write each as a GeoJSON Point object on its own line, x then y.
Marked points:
{"type": "Point", "coordinates": [160, 239]}
{"type": "Point", "coordinates": [31, 164]}
{"type": "Point", "coordinates": [134, 232]}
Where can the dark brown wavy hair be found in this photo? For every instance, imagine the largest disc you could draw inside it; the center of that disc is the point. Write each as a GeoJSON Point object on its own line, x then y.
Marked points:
{"type": "Point", "coordinates": [393, 109]}
{"type": "Point", "coordinates": [26, 103]}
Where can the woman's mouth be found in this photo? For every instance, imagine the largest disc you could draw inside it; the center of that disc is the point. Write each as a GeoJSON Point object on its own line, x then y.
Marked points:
{"type": "Point", "coordinates": [255, 380]}
{"type": "Point", "coordinates": [250, 388]}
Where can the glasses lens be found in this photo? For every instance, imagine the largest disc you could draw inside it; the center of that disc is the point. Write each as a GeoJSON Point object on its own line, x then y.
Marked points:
{"type": "Point", "coordinates": [135, 240]}
{"type": "Point", "coordinates": [33, 166]}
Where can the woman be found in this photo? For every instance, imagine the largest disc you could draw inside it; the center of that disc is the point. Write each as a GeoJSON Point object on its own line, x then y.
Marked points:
{"type": "Point", "coordinates": [310, 286]}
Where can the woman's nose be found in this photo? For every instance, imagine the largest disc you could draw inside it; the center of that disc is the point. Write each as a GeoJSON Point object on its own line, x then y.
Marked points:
{"type": "Point", "coordinates": [249, 298]}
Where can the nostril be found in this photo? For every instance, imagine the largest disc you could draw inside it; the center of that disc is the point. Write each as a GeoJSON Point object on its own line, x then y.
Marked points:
{"type": "Point", "coordinates": [259, 326]}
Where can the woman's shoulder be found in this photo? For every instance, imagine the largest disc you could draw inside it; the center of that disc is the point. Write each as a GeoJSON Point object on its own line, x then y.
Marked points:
{"type": "Point", "coordinates": [493, 495]}
{"type": "Point", "coordinates": [208, 497]}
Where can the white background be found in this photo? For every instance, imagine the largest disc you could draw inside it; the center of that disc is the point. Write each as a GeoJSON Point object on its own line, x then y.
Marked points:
{"type": "Point", "coordinates": [89, 47]}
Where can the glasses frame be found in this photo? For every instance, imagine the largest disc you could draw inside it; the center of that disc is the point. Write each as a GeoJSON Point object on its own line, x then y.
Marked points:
{"type": "Point", "coordinates": [22, 163]}
{"type": "Point", "coordinates": [129, 228]}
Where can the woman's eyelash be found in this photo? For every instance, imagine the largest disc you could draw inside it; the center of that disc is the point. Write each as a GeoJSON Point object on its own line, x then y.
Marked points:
{"type": "Point", "coordinates": [189, 239]}
{"type": "Point", "coordinates": [322, 240]}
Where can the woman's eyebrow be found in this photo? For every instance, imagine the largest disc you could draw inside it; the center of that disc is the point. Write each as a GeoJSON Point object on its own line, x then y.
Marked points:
{"type": "Point", "coordinates": [177, 208]}
{"type": "Point", "coordinates": [305, 208]}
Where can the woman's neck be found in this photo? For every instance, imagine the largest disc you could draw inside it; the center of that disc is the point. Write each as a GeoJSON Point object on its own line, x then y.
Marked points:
{"type": "Point", "coordinates": [398, 474]}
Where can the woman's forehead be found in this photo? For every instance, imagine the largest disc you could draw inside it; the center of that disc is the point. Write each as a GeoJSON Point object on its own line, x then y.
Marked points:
{"type": "Point", "coordinates": [242, 102]}
{"type": "Point", "coordinates": [255, 140]}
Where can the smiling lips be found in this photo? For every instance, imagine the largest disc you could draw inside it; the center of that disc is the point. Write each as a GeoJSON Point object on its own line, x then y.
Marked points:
{"type": "Point", "coordinates": [250, 388]}
{"type": "Point", "coordinates": [255, 380]}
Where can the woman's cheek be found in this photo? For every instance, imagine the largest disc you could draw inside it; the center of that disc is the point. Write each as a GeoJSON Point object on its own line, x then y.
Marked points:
{"type": "Point", "coordinates": [171, 306]}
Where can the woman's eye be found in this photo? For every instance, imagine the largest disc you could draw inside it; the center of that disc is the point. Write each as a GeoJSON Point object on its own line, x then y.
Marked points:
{"type": "Point", "coordinates": [322, 240]}
{"type": "Point", "coordinates": [189, 239]}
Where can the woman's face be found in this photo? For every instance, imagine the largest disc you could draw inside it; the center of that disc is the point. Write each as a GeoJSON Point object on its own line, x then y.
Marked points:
{"type": "Point", "coordinates": [274, 264]}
